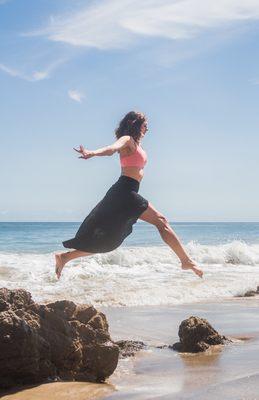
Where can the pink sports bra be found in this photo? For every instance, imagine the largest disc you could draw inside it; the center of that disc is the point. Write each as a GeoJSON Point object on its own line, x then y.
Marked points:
{"type": "Point", "coordinates": [137, 159]}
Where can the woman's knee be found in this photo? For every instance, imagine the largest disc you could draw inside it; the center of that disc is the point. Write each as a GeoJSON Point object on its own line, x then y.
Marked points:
{"type": "Point", "coordinates": [154, 217]}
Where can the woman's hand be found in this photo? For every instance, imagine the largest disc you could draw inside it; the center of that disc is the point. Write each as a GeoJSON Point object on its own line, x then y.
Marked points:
{"type": "Point", "coordinates": [84, 152]}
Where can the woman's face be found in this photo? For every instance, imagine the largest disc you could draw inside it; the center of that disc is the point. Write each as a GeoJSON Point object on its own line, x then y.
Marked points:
{"type": "Point", "coordinates": [143, 128]}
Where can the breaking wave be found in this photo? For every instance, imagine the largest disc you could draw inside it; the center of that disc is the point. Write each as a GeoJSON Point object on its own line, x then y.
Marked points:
{"type": "Point", "coordinates": [134, 276]}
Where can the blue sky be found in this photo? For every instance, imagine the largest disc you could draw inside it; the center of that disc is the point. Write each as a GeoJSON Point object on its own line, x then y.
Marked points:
{"type": "Point", "coordinates": [69, 70]}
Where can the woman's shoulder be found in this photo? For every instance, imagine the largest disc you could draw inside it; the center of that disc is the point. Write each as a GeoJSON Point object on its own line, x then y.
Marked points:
{"type": "Point", "coordinates": [130, 148]}
{"type": "Point", "coordinates": [128, 138]}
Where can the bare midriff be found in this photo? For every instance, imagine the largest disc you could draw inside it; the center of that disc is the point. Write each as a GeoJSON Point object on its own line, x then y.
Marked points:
{"type": "Point", "coordinates": [133, 172]}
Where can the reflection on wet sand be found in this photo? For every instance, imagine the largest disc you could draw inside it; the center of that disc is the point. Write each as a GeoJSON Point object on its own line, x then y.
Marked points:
{"type": "Point", "coordinates": [201, 368]}
{"type": "Point", "coordinates": [170, 375]}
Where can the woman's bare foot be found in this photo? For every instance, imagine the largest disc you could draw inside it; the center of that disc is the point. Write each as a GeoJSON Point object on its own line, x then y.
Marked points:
{"type": "Point", "coordinates": [189, 264]}
{"type": "Point", "coordinates": [59, 264]}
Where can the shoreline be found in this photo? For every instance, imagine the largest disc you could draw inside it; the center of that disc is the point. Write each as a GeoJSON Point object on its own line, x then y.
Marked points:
{"type": "Point", "coordinates": [230, 371]}
{"type": "Point", "coordinates": [211, 310]}
{"type": "Point", "coordinates": [164, 372]}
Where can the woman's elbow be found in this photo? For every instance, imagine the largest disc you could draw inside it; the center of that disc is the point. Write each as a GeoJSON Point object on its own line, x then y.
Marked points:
{"type": "Point", "coordinates": [110, 151]}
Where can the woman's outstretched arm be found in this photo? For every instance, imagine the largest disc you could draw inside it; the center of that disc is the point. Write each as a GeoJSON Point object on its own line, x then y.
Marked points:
{"type": "Point", "coordinates": [122, 142]}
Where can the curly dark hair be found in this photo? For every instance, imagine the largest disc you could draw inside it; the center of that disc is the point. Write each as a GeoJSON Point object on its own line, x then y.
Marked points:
{"type": "Point", "coordinates": [130, 125]}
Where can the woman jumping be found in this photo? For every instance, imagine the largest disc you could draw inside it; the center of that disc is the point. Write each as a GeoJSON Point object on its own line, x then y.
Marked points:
{"type": "Point", "coordinates": [112, 219]}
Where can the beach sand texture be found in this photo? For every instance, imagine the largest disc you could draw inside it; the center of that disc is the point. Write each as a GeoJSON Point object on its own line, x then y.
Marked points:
{"type": "Point", "coordinates": [62, 390]}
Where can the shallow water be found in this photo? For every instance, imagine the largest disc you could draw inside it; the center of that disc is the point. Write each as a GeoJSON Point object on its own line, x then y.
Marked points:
{"type": "Point", "coordinates": [231, 371]}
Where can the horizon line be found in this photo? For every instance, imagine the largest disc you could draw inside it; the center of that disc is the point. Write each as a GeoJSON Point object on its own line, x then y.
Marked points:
{"type": "Point", "coordinates": [143, 222]}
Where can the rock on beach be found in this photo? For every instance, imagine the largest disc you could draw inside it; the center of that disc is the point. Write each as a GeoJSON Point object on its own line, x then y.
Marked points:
{"type": "Point", "coordinates": [54, 341]}
{"type": "Point", "coordinates": [196, 335]}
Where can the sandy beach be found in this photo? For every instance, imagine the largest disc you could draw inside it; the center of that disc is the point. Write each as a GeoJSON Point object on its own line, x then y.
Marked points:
{"type": "Point", "coordinates": [231, 371]}
{"type": "Point", "coordinates": [64, 390]}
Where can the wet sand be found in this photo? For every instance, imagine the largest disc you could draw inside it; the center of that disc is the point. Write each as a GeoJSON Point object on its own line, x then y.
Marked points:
{"type": "Point", "coordinates": [231, 371]}
{"type": "Point", "coordinates": [61, 390]}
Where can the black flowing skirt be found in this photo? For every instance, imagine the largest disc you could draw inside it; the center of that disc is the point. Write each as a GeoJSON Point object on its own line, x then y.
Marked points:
{"type": "Point", "coordinates": [111, 220]}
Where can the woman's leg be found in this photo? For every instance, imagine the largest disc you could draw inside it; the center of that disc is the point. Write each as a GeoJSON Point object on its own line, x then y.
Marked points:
{"type": "Point", "coordinates": [63, 258]}
{"type": "Point", "coordinates": [154, 217]}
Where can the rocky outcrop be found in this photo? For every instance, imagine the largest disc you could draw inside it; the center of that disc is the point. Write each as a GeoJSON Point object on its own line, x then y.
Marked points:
{"type": "Point", "coordinates": [196, 334]}
{"type": "Point", "coordinates": [59, 340]}
{"type": "Point", "coordinates": [128, 348]}
{"type": "Point", "coordinates": [250, 293]}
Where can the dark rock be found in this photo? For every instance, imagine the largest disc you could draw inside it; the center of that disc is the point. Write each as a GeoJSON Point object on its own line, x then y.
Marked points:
{"type": "Point", "coordinates": [59, 340]}
{"type": "Point", "coordinates": [196, 334]}
{"type": "Point", "coordinates": [128, 348]}
{"type": "Point", "coordinates": [250, 293]}
{"type": "Point", "coordinates": [162, 346]}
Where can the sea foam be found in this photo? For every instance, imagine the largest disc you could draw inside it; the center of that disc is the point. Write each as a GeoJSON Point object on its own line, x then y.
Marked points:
{"type": "Point", "coordinates": [134, 276]}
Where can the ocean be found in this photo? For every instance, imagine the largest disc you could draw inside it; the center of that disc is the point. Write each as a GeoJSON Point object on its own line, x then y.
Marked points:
{"type": "Point", "coordinates": [143, 271]}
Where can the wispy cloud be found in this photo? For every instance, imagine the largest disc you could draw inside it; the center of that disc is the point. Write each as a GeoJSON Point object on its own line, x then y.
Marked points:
{"type": "Point", "coordinates": [255, 81]}
{"type": "Point", "coordinates": [3, 1]}
{"type": "Point", "coordinates": [76, 95]}
{"type": "Point", "coordinates": [9, 71]}
{"type": "Point", "coordinates": [108, 24]}
{"type": "Point", "coordinates": [33, 76]}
